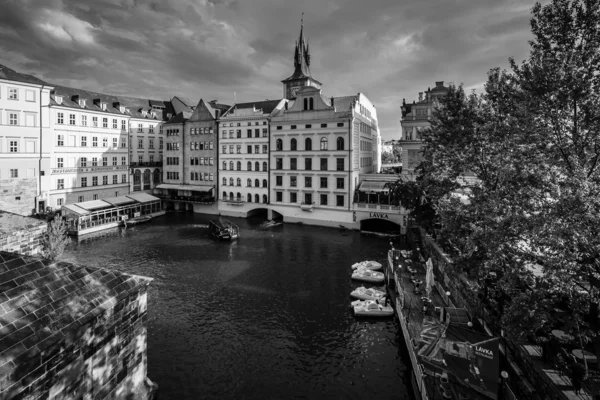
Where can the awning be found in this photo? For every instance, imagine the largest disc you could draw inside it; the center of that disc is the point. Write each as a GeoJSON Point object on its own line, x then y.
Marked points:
{"type": "Point", "coordinates": [373, 186]}
{"type": "Point", "coordinates": [93, 205]}
{"type": "Point", "coordinates": [119, 200]}
{"type": "Point", "coordinates": [75, 209]}
{"type": "Point", "coordinates": [193, 188]}
{"type": "Point", "coordinates": [142, 197]}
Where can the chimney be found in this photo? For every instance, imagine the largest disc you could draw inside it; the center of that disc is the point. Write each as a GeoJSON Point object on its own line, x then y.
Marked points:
{"type": "Point", "coordinates": [420, 96]}
{"type": "Point", "coordinates": [332, 102]}
{"type": "Point", "coordinates": [286, 105]}
{"type": "Point", "coordinates": [439, 84]}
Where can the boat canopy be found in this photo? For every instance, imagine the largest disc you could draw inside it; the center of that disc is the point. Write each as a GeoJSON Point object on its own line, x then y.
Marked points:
{"type": "Point", "coordinates": [93, 205]}
{"type": "Point", "coordinates": [373, 186]}
{"type": "Point", "coordinates": [142, 197]}
{"type": "Point", "coordinates": [193, 188]}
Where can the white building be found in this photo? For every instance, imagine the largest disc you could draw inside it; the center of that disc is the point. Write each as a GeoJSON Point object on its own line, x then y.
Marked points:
{"type": "Point", "coordinates": [24, 156]}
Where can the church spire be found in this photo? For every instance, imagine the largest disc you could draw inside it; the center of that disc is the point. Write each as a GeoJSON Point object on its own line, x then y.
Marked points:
{"type": "Point", "coordinates": [301, 55]}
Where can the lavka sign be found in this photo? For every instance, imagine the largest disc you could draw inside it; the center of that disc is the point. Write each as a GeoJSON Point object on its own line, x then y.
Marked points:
{"type": "Point", "coordinates": [378, 215]}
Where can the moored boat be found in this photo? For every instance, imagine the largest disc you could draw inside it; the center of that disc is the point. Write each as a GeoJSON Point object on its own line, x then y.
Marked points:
{"type": "Point", "coordinates": [224, 229]}
{"type": "Point", "coordinates": [362, 293]}
{"type": "Point", "coordinates": [367, 275]}
{"type": "Point", "coordinates": [137, 220]}
{"type": "Point", "coordinates": [270, 223]}
{"type": "Point", "coordinates": [372, 265]}
{"type": "Point", "coordinates": [371, 308]}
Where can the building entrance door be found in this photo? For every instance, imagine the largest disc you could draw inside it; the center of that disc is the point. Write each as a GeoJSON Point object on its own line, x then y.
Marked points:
{"type": "Point", "coordinates": [41, 206]}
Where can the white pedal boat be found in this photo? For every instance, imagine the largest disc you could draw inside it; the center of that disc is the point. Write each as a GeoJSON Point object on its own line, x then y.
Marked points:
{"type": "Point", "coordinates": [370, 308]}
{"type": "Point", "coordinates": [368, 276]}
{"type": "Point", "coordinates": [362, 293]}
{"type": "Point", "coordinates": [372, 265]}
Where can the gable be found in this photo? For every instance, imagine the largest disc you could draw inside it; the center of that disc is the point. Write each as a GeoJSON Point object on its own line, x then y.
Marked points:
{"type": "Point", "coordinates": [310, 93]}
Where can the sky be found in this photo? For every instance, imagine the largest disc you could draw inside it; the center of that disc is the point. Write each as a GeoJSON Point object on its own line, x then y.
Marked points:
{"type": "Point", "coordinates": [218, 49]}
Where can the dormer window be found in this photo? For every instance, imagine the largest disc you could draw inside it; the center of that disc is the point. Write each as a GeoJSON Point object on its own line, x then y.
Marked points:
{"type": "Point", "coordinates": [81, 103]}
{"type": "Point", "coordinates": [153, 114]}
{"type": "Point", "coordinates": [103, 106]}
{"type": "Point", "coordinates": [122, 109]}
{"type": "Point", "coordinates": [58, 99]}
{"type": "Point", "coordinates": [144, 112]}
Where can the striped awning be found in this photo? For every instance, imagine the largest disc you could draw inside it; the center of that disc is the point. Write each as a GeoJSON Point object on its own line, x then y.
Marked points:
{"type": "Point", "coordinates": [93, 205]}
{"type": "Point", "coordinates": [373, 186]}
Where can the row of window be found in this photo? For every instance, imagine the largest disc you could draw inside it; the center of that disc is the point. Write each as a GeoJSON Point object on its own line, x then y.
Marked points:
{"type": "Point", "coordinates": [13, 94]}
{"type": "Point", "coordinates": [265, 149]}
{"type": "Point", "coordinates": [201, 145]}
{"type": "Point", "coordinates": [200, 131]}
{"type": "Point", "coordinates": [150, 143]}
{"type": "Point", "coordinates": [172, 146]}
{"type": "Point", "coordinates": [365, 111]}
{"type": "Point", "coordinates": [323, 180]}
{"type": "Point", "coordinates": [257, 197]}
{"type": "Point", "coordinates": [83, 161]}
{"type": "Point", "coordinates": [60, 120]}
{"type": "Point", "coordinates": [60, 183]}
{"type": "Point", "coordinates": [201, 161]}
{"type": "Point", "coordinates": [365, 145]}
{"type": "Point", "coordinates": [323, 144]}
{"type": "Point", "coordinates": [248, 167]}
{"type": "Point", "coordinates": [238, 133]}
{"type": "Point", "coordinates": [172, 160]}
{"type": "Point", "coordinates": [309, 126]}
{"type": "Point", "coordinates": [239, 124]}
{"type": "Point", "coordinates": [308, 198]}
{"type": "Point", "coordinates": [173, 175]}
{"type": "Point", "coordinates": [308, 164]}
{"type": "Point", "coordinates": [60, 141]}
{"type": "Point", "coordinates": [201, 176]}
{"type": "Point", "coordinates": [151, 156]}
{"type": "Point", "coordinates": [173, 132]}
{"type": "Point", "coordinates": [364, 128]}
{"type": "Point", "coordinates": [366, 161]}
{"type": "Point", "coordinates": [238, 182]}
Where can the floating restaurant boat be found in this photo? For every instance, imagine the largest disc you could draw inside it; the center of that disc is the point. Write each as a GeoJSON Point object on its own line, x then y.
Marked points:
{"type": "Point", "coordinates": [372, 265]}
{"type": "Point", "coordinates": [371, 308]}
{"type": "Point", "coordinates": [362, 293]}
{"type": "Point", "coordinates": [368, 276]}
{"type": "Point", "coordinates": [224, 229]}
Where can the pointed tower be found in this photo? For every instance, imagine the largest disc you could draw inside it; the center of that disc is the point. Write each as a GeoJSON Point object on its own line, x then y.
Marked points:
{"type": "Point", "coordinates": [301, 76]}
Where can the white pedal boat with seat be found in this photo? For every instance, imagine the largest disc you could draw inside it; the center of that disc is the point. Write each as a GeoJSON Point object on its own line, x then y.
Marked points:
{"type": "Point", "coordinates": [370, 308]}
{"type": "Point", "coordinates": [372, 265]}
{"type": "Point", "coordinates": [368, 276]}
{"type": "Point", "coordinates": [362, 293]}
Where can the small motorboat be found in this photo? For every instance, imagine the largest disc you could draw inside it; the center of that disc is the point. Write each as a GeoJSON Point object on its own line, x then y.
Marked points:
{"type": "Point", "coordinates": [362, 293]}
{"type": "Point", "coordinates": [224, 229]}
{"type": "Point", "coordinates": [367, 275]}
{"type": "Point", "coordinates": [371, 308]}
{"type": "Point", "coordinates": [269, 224]}
{"type": "Point", "coordinates": [137, 220]}
{"type": "Point", "coordinates": [372, 265]}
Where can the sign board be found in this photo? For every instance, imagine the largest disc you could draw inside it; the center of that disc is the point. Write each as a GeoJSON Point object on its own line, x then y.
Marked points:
{"type": "Point", "coordinates": [137, 214]}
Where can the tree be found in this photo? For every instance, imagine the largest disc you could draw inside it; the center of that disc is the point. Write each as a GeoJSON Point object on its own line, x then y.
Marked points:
{"type": "Point", "coordinates": [55, 240]}
{"type": "Point", "coordinates": [524, 156]}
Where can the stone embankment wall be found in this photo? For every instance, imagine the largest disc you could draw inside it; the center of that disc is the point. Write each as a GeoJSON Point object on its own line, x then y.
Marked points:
{"type": "Point", "coordinates": [71, 332]}
{"type": "Point", "coordinates": [20, 234]}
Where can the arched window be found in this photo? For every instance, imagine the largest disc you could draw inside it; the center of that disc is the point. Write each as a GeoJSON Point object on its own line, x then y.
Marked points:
{"type": "Point", "coordinates": [249, 198]}
{"type": "Point", "coordinates": [224, 181]}
{"type": "Point", "coordinates": [311, 103]}
{"type": "Point", "coordinates": [224, 165]}
{"type": "Point", "coordinates": [265, 198]}
{"type": "Point", "coordinates": [239, 181]}
{"type": "Point", "coordinates": [305, 103]}
{"type": "Point", "coordinates": [230, 195]}
{"type": "Point", "coordinates": [293, 144]}
{"type": "Point", "coordinates": [257, 166]}
{"type": "Point", "coordinates": [279, 145]}
{"type": "Point", "coordinates": [308, 144]}
{"type": "Point", "coordinates": [340, 143]}
{"type": "Point", "coordinates": [256, 198]}
{"type": "Point", "coordinates": [264, 183]}
{"type": "Point", "coordinates": [256, 183]}
{"type": "Point", "coordinates": [231, 165]}
{"type": "Point", "coordinates": [249, 182]}
{"type": "Point", "coordinates": [239, 165]}
{"type": "Point", "coordinates": [224, 195]}
{"type": "Point", "coordinates": [157, 176]}
{"type": "Point", "coordinates": [323, 143]}
{"type": "Point", "coordinates": [265, 166]}
{"type": "Point", "coordinates": [137, 177]}
{"type": "Point", "coordinates": [239, 196]}
{"type": "Point", "coordinates": [249, 166]}
{"type": "Point", "coordinates": [230, 181]}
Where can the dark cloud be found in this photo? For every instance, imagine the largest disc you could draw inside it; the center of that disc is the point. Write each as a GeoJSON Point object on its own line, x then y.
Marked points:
{"type": "Point", "coordinates": [387, 49]}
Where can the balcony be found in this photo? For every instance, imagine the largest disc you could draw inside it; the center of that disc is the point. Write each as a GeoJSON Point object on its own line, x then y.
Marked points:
{"type": "Point", "coordinates": [233, 201]}
{"type": "Point", "coordinates": [186, 199]}
{"type": "Point", "coordinates": [306, 206]}
{"type": "Point", "coordinates": [381, 207]}
{"type": "Point", "coordinates": [146, 164]}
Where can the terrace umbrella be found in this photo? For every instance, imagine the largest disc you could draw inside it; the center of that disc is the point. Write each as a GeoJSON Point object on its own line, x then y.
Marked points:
{"type": "Point", "coordinates": [429, 277]}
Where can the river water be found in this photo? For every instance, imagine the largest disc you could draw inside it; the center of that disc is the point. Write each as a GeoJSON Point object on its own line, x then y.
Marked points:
{"type": "Point", "coordinates": [265, 317]}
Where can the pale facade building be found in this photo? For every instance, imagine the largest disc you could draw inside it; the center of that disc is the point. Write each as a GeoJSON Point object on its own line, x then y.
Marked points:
{"type": "Point", "coordinates": [415, 118]}
{"type": "Point", "coordinates": [24, 156]}
{"type": "Point", "coordinates": [244, 155]}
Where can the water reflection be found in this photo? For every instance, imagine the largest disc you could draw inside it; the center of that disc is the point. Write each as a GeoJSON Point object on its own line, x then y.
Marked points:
{"type": "Point", "coordinates": [265, 317]}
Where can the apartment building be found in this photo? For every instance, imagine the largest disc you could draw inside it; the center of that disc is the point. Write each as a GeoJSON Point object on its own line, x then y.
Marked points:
{"type": "Point", "coordinates": [415, 118]}
{"type": "Point", "coordinates": [24, 156]}
{"type": "Point", "coordinates": [244, 155]}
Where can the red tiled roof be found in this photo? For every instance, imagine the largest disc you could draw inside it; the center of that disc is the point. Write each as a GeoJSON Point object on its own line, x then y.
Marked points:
{"type": "Point", "coordinates": [267, 106]}
{"type": "Point", "coordinates": [42, 303]}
